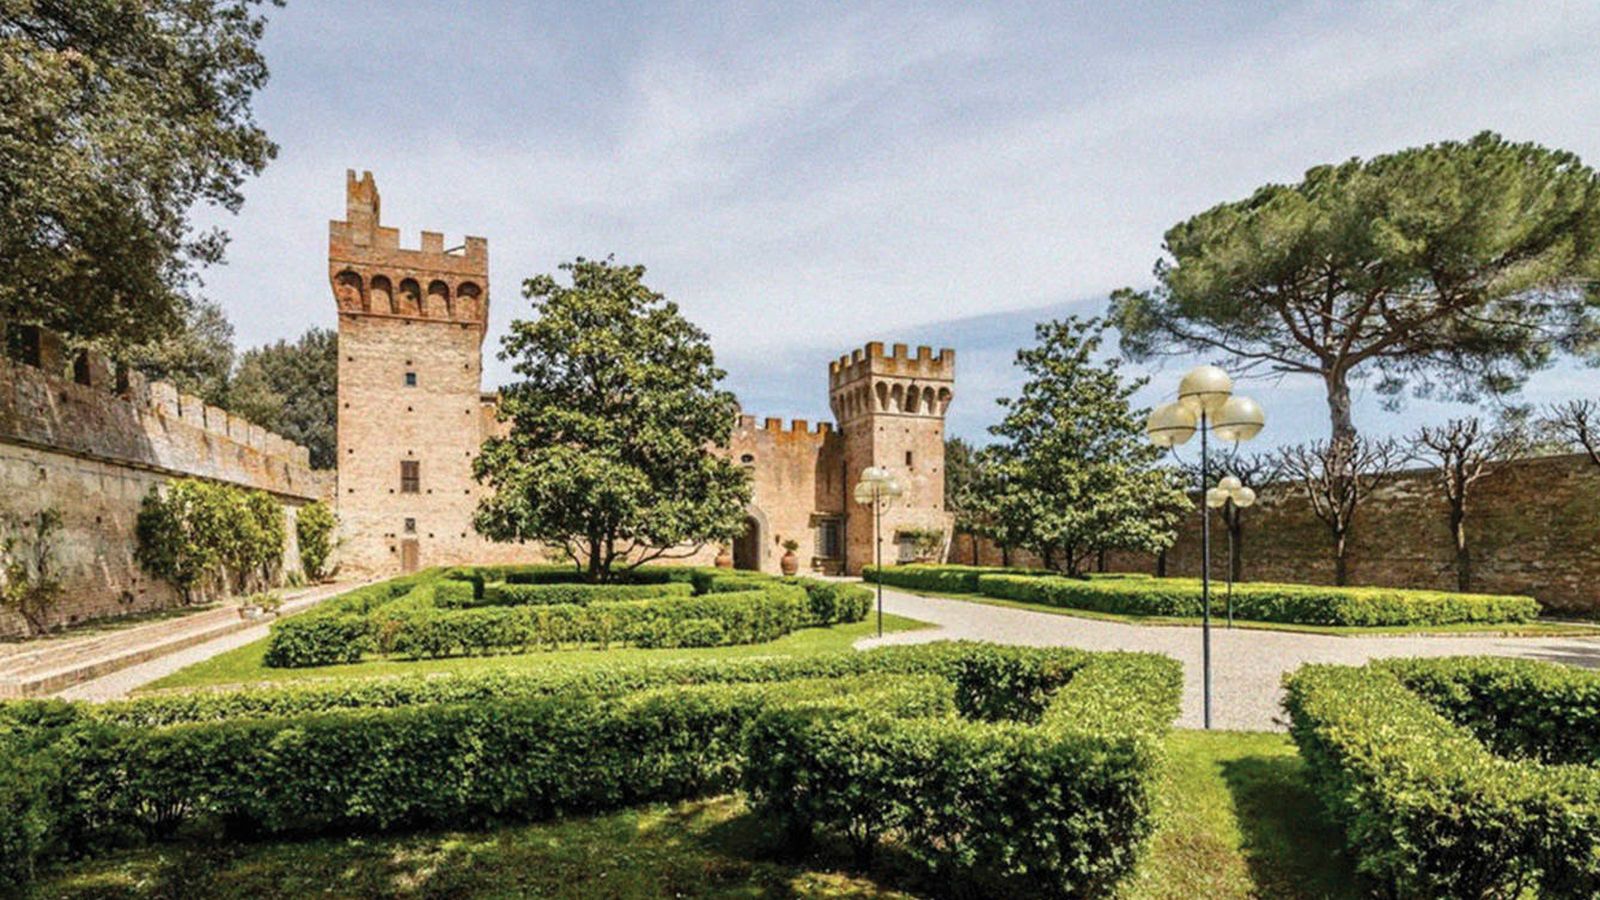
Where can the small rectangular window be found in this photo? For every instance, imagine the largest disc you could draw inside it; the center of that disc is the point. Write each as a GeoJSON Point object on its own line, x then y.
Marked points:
{"type": "Point", "coordinates": [410, 476]}
{"type": "Point", "coordinates": [411, 526]}
{"type": "Point", "coordinates": [908, 458]}
{"type": "Point", "coordinates": [411, 379]}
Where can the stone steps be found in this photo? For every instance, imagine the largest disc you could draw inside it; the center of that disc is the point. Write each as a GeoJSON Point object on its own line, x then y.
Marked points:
{"type": "Point", "coordinates": [55, 664]}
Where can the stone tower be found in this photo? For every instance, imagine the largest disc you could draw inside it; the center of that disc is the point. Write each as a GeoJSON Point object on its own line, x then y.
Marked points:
{"type": "Point", "coordinates": [411, 412]}
{"type": "Point", "coordinates": [890, 408]}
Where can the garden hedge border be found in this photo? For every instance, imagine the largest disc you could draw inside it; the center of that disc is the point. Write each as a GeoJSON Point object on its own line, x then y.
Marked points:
{"type": "Point", "coordinates": [1296, 604]}
{"type": "Point", "coordinates": [1428, 807]}
{"type": "Point", "coordinates": [457, 611]}
{"type": "Point", "coordinates": [85, 778]}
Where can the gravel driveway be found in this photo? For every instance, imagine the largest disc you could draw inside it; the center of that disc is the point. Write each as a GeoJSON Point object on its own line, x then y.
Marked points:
{"type": "Point", "coordinates": [1246, 665]}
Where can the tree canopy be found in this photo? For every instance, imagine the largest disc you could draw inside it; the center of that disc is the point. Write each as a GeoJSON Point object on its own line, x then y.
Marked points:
{"type": "Point", "coordinates": [1454, 269]}
{"type": "Point", "coordinates": [1071, 473]}
{"type": "Point", "coordinates": [293, 389]}
{"type": "Point", "coordinates": [611, 452]}
{"type": "Point", "coordinates": [116, 119]}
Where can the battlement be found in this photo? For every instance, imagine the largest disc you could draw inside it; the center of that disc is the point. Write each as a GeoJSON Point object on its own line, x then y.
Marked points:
{"type": "Point", "coordinates": [371, 274]}
{"type": "Point", "coordinates": [80, 403]}
{"type": "Point", "coordinates": [899, 362]}
{"type": "Point", "coordinates": [796, 427]}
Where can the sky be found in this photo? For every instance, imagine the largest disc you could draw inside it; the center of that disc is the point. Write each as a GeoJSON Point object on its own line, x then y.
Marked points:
{"type": "Point", "coordinates": [803, 178]}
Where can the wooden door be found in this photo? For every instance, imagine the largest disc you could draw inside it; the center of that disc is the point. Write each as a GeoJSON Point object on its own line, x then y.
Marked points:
{"type": "Point", "coordinates": [410, 555]}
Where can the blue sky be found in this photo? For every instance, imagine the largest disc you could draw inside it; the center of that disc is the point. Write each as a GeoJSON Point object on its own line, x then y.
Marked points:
{"type": "Point", "coordinates": [803, 178]}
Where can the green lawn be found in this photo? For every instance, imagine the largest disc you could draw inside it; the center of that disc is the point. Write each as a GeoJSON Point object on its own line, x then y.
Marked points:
{"type": "Point", "coordinates": [1237, 821]}
{"type": "Point", "coordinates": [1540, 628]}
{"type": "Point", "coordinates": [244, 666]}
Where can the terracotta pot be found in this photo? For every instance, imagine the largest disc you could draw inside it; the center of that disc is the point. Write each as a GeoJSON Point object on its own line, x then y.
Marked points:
{"type": "Point", "coordinates": [724, 559]}
{"type": "Point", "coordinates": [790, 562]}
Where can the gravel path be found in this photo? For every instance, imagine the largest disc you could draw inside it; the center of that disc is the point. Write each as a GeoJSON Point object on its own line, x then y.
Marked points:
{"type": "Point", "coordinates": [1246, 665]}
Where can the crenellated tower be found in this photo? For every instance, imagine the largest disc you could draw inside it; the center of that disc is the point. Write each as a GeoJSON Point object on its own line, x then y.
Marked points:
{"type": "Point", "coordinates": [411, 407]}
{"type": "Point", "coordinates": [891, 408]}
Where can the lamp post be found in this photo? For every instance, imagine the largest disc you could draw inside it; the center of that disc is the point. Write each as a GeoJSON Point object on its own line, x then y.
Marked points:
{"type": "Point", "coordinates": [1205, 404]}
{"type": "Point", "coordinates": [877, 489]}
{"type": "Point", "coordinates": [1230, 490]}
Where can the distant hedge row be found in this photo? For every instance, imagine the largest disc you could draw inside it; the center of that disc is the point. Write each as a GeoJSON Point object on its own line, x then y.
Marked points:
{"type": "Point", "coordinates": [1302, 604]}
{"type": "Point", "coordinates": [467, 611]}
{"type": "Point", "coordinates": [1458, 777]}
{"type": "Point", "coordinates": [1025, 771]}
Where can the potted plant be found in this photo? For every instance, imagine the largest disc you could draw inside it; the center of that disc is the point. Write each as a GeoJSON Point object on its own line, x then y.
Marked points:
{"type": "Point", "coordinates": [927, 544]}
{"type": "Point", "coordinates": [724, 557]}
{"type": "Point", "coordinates": [790, 562]}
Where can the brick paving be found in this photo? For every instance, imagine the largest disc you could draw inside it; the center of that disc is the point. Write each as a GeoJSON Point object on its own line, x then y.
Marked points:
{"type": "Point", "coordinates": [1247, 664]}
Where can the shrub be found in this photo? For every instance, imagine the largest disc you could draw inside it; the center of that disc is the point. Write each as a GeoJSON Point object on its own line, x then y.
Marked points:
{"type": "Point", "coordinates": [364, 756]}
{"type": "Point", "coordinates": [314, 526]}
{"type": "Point", "coordinates": [997, 805]}
{"type": "Point", "coordinates": [1428, 809]}
{"type": "Point", "coordinates": [318, 640]}
{"type": "Point", "coordinates": [198, 532]}
{"type": "Point", "coordinates": [952, 579]}
{"type": "Point", "coordinates": [1294, 603]}
{"type": "Point", "coordinates": [546, 594]}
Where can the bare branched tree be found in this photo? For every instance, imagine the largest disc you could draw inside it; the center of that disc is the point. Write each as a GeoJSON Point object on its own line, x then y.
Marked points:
{"type": "Point", "coordinates": [1336, 477]}
{"type": "Point", "coordinates": [1254, 471]}
{"type": "Point", "coordinates": [1579, 422]}
{"type": "Point", "coordinates": [1465, 451]}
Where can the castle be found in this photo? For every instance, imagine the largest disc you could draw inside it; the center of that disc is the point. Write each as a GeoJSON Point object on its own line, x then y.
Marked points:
{"type": "Point", "coordinates": [412, 415]}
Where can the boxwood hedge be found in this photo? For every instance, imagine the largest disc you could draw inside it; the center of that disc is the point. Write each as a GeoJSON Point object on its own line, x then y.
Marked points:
{"type": "Point", "coordinates": [80, 778]}
{"type": "Point", "coordinates": [482, 610]}
{"type": "Point", "coordinates": [1445, 784]}
{"type": "Point", "coordinates": [1302, 604]}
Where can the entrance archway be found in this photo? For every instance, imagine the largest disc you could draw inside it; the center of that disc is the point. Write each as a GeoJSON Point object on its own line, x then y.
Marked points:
{"type": "Point", "coordinates": [747, 549]}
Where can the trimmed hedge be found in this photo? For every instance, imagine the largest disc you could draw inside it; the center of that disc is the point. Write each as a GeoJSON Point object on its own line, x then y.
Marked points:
{"type": "Point", "coordinates": [1060, 808]}
{"type": "Point", "coordinates": [501, 593]}
{"type": "Point", "coordinates": [518, 748]}
{"type": "Point", "coordinates": [475, 611]}
{"type": "Point", "coordinates": [1429, 809]}
{"type": "Point", "coordinates": [1301, 604]}
{"type": "Point", "coordinates": [952, 579]}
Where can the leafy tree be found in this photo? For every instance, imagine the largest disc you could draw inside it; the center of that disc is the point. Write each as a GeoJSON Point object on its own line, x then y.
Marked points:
{"type": "Point", "coordinates": [293, 389]}
{"type": "Point", "coordinates": [1337, 477]}
{"type": "Point", "coordinates": [1071, 473]}
{"type": "Point", "coordinates": [196, 533]}
{"type": "Point", "coordinates": [30, 585]}
{"type": "Point", "coordinates": [1464, 452]}
{"type": "Point", "coordinates": [116, 120]}
{"type": "Point", "coordinates": [611, 450]}
{"type": "Point", "coordinates": [196, 358]}
{"type": "Point", "coordinates": [1454, 268]}
{"type": "Point", "coordinates": [314, 526]}
{"type": "Point", "coordinates": [960, 469]}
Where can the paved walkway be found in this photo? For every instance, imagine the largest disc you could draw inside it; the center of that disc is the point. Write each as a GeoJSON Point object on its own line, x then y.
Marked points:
{"type": "Point", "coordinates": [1247, 665]}
{"type": "Point", "coordinates": [118, 684]}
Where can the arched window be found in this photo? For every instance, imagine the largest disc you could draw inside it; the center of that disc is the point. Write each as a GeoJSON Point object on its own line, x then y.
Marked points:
{"type": "Point", "coordinates": [347, 289]}
{"type": "Point", "coordinates": [382, 295]}
{"type": "Point", "coordinates": [897, 397]}
{"type": "Point", "coordinates": [410, 297]}
{"type": "Point", "coordinates": [439, 301]}
{"type": "Point", "coordinates": [913, 398]}
{"type": "Point", "coordinates": [928, 402]}
{"type": "Point", "coordinates": [944, 400]}
{"type": "Point", "coordinates": [469, 301]}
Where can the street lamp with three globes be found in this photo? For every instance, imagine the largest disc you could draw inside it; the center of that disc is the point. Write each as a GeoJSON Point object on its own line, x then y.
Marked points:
{"type": "Point", "coordinates": [1206, 404]}
{"type": "Point", "coordinates": [878, 489]}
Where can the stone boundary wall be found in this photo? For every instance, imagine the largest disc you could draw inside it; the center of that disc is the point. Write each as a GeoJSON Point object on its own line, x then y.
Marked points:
{"type": "Point", "coordinates": [1533, 527]}
{"type": "Point", "coordinates": [94, 452]}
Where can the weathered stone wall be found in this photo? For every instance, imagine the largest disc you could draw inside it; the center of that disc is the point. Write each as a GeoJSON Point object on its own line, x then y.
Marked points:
{"type": "Point", "coordinates": [1533, 527]}
{"type": "Point", "coordinates": [93, 455]}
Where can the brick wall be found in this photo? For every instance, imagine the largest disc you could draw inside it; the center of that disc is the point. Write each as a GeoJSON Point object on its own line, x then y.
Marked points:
{"type": "Point", "coordinates": [94, 455]}
{"type": "Point", "coordinates": [1533, 527]}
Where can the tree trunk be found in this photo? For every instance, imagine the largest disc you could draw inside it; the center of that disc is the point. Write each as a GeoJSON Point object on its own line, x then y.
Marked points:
{"type": "Point", "coordinates": [1344, 428]}
{"type": "Point", "coordinates": [1458, 530]}
{"type": "Point", "coordinates": [1161, 564]}
{"type": "Point", "coordinates": [1236, 546]}
{"type": "Point", "coordinates": [1341, 573]}
{"type": "Point", "coordinates": [1005, 556]}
